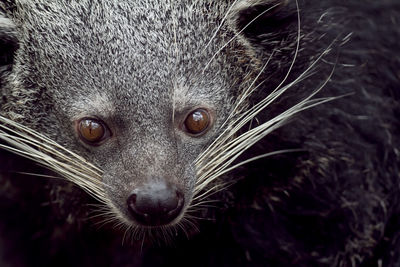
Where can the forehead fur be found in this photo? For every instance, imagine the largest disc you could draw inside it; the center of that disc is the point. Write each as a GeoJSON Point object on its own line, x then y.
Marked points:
{"type": "Point", "coordinates": [135, 51]}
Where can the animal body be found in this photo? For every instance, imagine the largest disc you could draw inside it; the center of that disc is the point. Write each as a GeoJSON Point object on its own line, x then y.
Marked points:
{"type": "Point", "coordinates": [264, 132]}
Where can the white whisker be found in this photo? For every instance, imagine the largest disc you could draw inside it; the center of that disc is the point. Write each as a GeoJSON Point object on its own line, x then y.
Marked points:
{"type": "Point", "coordinates": [237, 34]}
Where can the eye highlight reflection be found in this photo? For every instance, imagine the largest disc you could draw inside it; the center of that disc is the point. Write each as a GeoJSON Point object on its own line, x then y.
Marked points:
{"type": "Point", "coordinates": [92, 131]}
{"type": "Point", "coordinates": [197, 122]}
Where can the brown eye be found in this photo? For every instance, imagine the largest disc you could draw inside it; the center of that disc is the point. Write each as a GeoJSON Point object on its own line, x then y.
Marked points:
{"type": "Point", "coordinates": [91, 130]}
{"type": "Point", "coordinates": [197, 121]}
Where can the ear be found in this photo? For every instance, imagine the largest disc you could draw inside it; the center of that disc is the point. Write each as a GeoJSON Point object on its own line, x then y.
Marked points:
{"type": "Point", "coordinates": [264, 21]}
{"type": "Point", "coordinates": [8, 43]}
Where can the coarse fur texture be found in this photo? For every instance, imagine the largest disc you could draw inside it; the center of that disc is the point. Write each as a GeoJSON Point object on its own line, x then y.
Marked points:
{"type": "Point", "coordinates": [300, 166]}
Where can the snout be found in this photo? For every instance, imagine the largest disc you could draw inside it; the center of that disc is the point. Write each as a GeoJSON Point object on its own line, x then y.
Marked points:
{"type": "Point", "coordinates": [155, 204]}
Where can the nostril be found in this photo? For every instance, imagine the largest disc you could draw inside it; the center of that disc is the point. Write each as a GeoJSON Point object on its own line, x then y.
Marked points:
{"type": "Point", "coordinates": [179, 205]}
{"type": "Point", "coordinates": [132, 202]}
{"type": "Point", "coordinates": [155, 204]}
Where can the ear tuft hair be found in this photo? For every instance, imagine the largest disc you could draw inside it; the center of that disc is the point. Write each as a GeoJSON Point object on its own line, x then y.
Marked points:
{"type": "Point", "coordinates": [259, 17]}
{"type": "Point", "coordinates": [8, 42]}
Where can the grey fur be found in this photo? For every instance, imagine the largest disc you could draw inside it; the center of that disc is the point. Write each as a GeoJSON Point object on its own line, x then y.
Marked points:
{"type": "Point", "coordinates": [141, 79]}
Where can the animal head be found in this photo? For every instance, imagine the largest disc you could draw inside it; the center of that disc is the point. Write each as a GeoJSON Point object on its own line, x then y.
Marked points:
{"type": "Point", "coordinates": [151, 93]}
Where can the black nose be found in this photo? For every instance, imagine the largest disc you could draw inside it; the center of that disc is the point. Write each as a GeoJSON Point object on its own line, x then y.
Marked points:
{"type": "Point", "coordinates": [155, 204]}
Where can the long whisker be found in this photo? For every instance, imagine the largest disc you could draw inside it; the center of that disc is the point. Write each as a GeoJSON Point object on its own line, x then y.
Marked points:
{"type": "Point", "coordinates": [30, 144]}
{"type": "Point", "coordinates": [237, 34]}
{"type": "Point", "coordinates": [220, 25]}
{"type": "Point", "coordinates": [216, 160]}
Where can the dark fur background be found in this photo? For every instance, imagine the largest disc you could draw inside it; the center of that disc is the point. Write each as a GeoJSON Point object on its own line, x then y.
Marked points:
{"type": "Point", "coordinates": [335, 203]}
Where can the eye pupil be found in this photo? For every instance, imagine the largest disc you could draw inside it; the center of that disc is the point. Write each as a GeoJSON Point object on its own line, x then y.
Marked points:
{"type": "Point", "coordinates": [91, 130]}
{"type": "Point", "coordinates": [197, 121]}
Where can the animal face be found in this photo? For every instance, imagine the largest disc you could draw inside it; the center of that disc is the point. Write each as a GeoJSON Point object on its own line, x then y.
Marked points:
{"type": "Point", "coordinates": [139, 90]}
